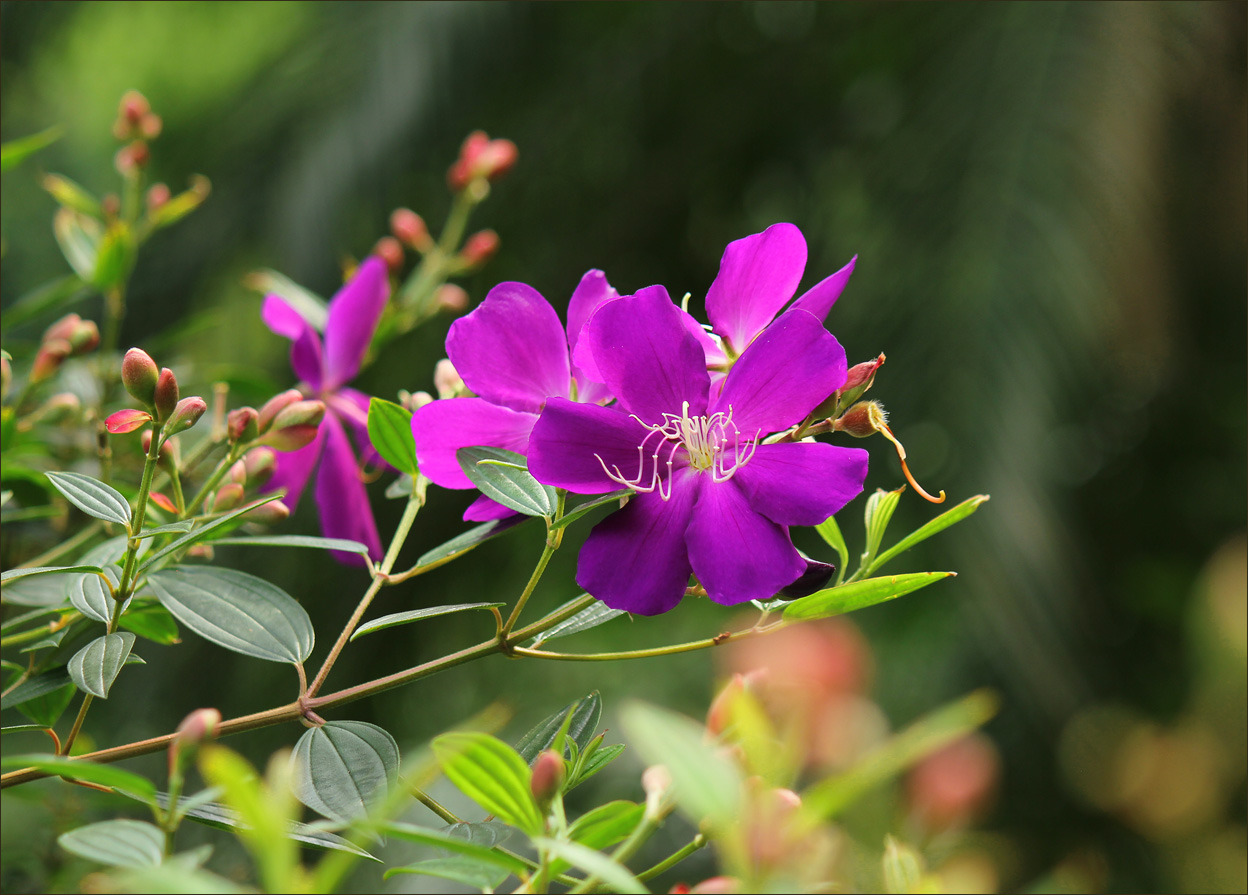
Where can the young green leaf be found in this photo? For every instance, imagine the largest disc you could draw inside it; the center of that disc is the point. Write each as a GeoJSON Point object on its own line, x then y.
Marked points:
{"type": "Point", "coordinates": [461, 544]}
{"type": "Point", "coordinates": [15, 574]}
{"type": "Point", "coordinates": [343, 768]}
{"type": "Point", "coordinates": [314, 543]}
{"type": "Point", "coordinates": [581, 509]}
{"type": "Point", "coordinates": [390, 431]}
{"type": "Point", "coordinates": [597, 761]}
{"type": "Point", "coordinates": [173, 528]}
{"type": "Point", "coordinates": [238, 611]}
{"type": "Point", "coordinates": [94, 667]}
{"type": "Point", "coordinates": [92, 496]}
{"type": "Point", "coordinates": [403, 618]}
{"type": "Point", "coordinates": [77, 769]}
{"type": "Point", "coordinates": [606, 825]}
{"type": "Point", "coordinates": [878, 513]}
{"type": "Point", "coordinates": [119, 843]}
{"type": "Point", "coordinates": [14, 152]}
{"type": "Point", "coordinates": [33, 688]}
{"type": "Point", "coordinates": [591, 617]}
{"type": "Point", "coordinates": [951, 516]}
{"type": "Point", "coordinates": [830, 531]}
{"type": "Point", "coordinates": [492, 774]}
{"type": "Point", "coordinates": [583, 723]}
{"type": "Point", "coordinates": [511, 485]}
{"type": "Point", "coordinates": [859, 594]}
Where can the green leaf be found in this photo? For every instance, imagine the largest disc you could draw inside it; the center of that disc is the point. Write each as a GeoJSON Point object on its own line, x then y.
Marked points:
{"type": "Point", "coordinates": [71, 194]}
{"type": "Point", "coordinates": [929, 734]}
{"type": "Point", "coordinates": [200, 533]}
{"type": "Point", "coordinates": [15, 574]}
{"type": "Point", "coordinates": [33, 688]}
{"type": "Point", "coordinates": [14, 152]}
{"type": "Point", "coordinates": [599, 760]}
{"type": "Point", "coordinates": [238, 611]}
{"type": "Point", "coordinates": [94, 667]}
{"type": "Point", "coordinates": [607, 824]}
{"type": "Point", "coordinates": [153, 622]}
{"type": "Point", "coordinates": [18, 621]}
{"type": "Point", "coordinates": [173, 528]}
{"type": "Point", "coordinates": [403, 618]}
{"type": "Point", "coordinates": [878, 513]}
{"type": "Point", "coordinates": [390, 431]}
{"type": "Point", "coordinates": [486, 834]}
{"type": "Point", "coordinates": [295, 541]}
{"type": "Point", "coordinates": [581, 509]}
{"type": "Point", "coordinates": [51, 296]}
{"type": "Point", "coordinates": [461, 544]}
{"type": "Point", "coordinates": [469, 872]}
{"type": "Point", "coordinates": [344, 768]}
{"type": "Point", "coordinates": [831, 534]}
{"type": "Point", "coordinates": [119, 843]}
{"type": "Point", "coordinates": [77, 769]}
{"type": "Point", "coordinates": [400, 487]}
{"type": "Point", "coordinates": [706, 784]}
{"type": "Point", "coordinates": [595, 863]}
{"type": "Point", "coordinates": [53, 639]}
{"type": "Point", "coordinates": [492, 774]}
{"type": "Point", "coordinates": [176, 876]}
{"type": "Point", "coordinates": [591, 617]}
{"type": "Point", "coordinates": [859, 594]}
{"type": "Point", "coordinates": [585, 715]}
{"type": "Point", "coordinates": [950, 517]}
{"type": "Point", "coordinates": [44, 591]}
{"type": "Point", "coordinates": [92, 496]}
{"type": "Point", "coordinates": [455, 844]}
{"type": "Point", "coordinates": [114, 257]}
{"type": "Point", "coordinates": [511, 485]}
{"type": "Point", "coordinates": [22, 728]}
{"type": "Point", "coordinates": [91, 596]}
{"type": "Point", "coordinates": [903, 867]}
{"type": "Point", "coordinates": [310, 306]}
{"type": "Point", "coordinates": [79, 239]}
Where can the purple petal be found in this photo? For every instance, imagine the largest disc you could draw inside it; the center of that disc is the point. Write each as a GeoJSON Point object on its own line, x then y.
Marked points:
{"type": "Point", "coordinates": [792, 366]}
{"type": "Point", "coordinates": [820, 298]}
{"type": "Point", "coordinates": [714, 351]}
{"type": "Point", "coordinates": [635, 560]}
{"type": "Point", "coordinates": [569, 438]}
{"type": "Point", "coordinates": [757, 276]}
{"type": "Point", "coordinates": [353, 315]}
{"type": "Point", "coordinates": [736, 553]}
{"type": "Point", "coordinates": [351, 408]}
{"type": "Point", "coordinates": [647, 357]}
{"type": "Point", "coordinates": [443, 427]}
{"type": "Point", "coordinates": [340, 496]}
{"type": "Point", "coordinates": [305, 353]}
{"type": "Point", "coordinates": [802, 483]}
{"type": "Point", "coordinates": [485, 509]}
{"type": "Point", "coordinates": [512, 350]}
{"type": "Point", "coordinates": [293, 469]}
{"type": "Point", "coordinates": [591, 293]}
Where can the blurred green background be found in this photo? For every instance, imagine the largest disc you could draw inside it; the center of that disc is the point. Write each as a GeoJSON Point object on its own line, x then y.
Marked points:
{"type": "Point", "coordinates": [1048, 204]}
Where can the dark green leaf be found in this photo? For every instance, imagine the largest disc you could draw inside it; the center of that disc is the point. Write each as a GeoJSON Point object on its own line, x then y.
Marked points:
{"type": "Point", "coordinates": [390, 431]}
{"type": "Point", "coordinates": [588, 618]}
{"type": "Point", "coordinates": [91, 595]}
{"type": "Point", "coordinates": [237, 611]}
{"type": "Point", "coordinates": [14, 152]}
{"type": "Point", "coordinates": [859, 594]}
{"type": "Point", "coordinates": [173, 528]}
{"type": "Point", "coordinates": [461, 544]}
{"type": "Point", "coordinates": [22, 728]}
{"type": "Point", "coordinates": [15, 574]}
{"type": "Point", "coordinates": [92, 496]}
{"type": "Point", "coordinates": [153, 622]}
{"type": "Point", "coordinates": [585, 715]}
{"type": "Point", "coordinates": [486, 834]}
{"type": "Point", "coordinates": [200, 533]}
{"type": "Point", "coordinates": [36, 686]}
{"type": "Point", "coordinates": [119, 843]}
{"type": "Point", "coordinates": [53, 639]}
{"type": "Point", "coordinates": [403, 618]}
{"type": "Point", "coordinates": [466, 871]}
{"type": "Point", "coordinates": [78, 769]}
{"type": "Point", "coordinates": [344, 768]}
{"type": "Point", "coordinates": [950, 517]}
{"type": "Point", "coordinates": [599, 760]}
{"type": "Point", "coordinates": [492, 774]}
{"type": "Point", "coordinates": [94, 667]}
{"type": "Point", "coordinates": [295, 541]}
{"type": "Point", "coordinates": [46, 591]}
{"type": "Point", "coordinates": [510, 484]}
{"type": "Point", "coordinates": [581, 509]}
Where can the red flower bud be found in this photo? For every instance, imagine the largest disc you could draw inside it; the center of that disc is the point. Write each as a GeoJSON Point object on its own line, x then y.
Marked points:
{"type": "Point", "coordinates": [450, 297]}
{"type": "Point", "coordinates": [409, 228]}
{"type": "Point", "coordinates": [163, 502]}
{"type": "Point", "coordinates": [59, 408]}
{"type": "Point", "coordinates": [260, 464]}
{"type": "Point", "coordinates": [125, 421]}
{"type": "Point", "coordinates": [228, 497]}
{"type": "Point", "coordinates": [185, 414]}
{"type": "Point", "coordinates": [157, 196]}
{"type": "Point", "coordinates": [863, 374]}
{"type": "Point", "coordinates": [133, 107]}
{"type": "Point", "coordinates": [242, 425]}
{"type": "Point", "coordinates": [481, 157]}
{"type": "Point", "coordinates": [238, 473]}
{"type": "Point", "coordinates": [549, 772]}
{"type": "Point", "coordinates": [274, 406]}
{"type": "Point", "coordinates": [166, 394]}
{"type": "Point", "coordinates": [63, 328]}
{"type": "Point", "coordinates": [151, 126]}
{"type": "Point", "coordinates": [139, 375]}
{"type": "Point", "coordinates": [390, 250]}
{"type": "Point", "coordinates": [131, 157]}
{"type": "Point", "coordinates": [719, 716]}
{"type": "Point", "coordinates": [49, 358]}
{"type": "Point", "coordinates": [478, 249]}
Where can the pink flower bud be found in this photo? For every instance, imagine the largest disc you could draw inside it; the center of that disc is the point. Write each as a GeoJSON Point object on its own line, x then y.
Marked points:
{"type": "Point", "coordinates": [238, 473]}
{"type": "Point", "coordinates": [125, 421]}
{"type": "Point", "coordinates": [478, 249]}
{"type": "Point", "coordinates": [300, 413]}
{"type": "Point", "coordinates": [409, 228]}
{"type": "Point", "coordinates": [228, 497]}
{"type": "Point", "coordinates": [656, 782]}
{"type": "Point", "coordinates": [719, 717]}
{"type": "Point", "coordinates": [450, 297]}
{"type": "Point", "coordinates": [291, 438]}
{"type": "Point", "coordinates": [417, 400]}
{"type": "Point", "coordinates": [863, 374]}
{"type": "Point", "coordinates": [49, 358]}
{"type": "Point", "coordinates": [197, 728]}
{"type": "Point", "coordinates": [139, 374]}
{"type": "Point", "coordinates": [497, 158]}
{"type": "Point", "coordinates": [717, 885]}
{"type": "Point", "coordinates": [242, 425]}
{"type": "Point", "coordinates": [956, 784]}
{"type": "Point", "coordinates": [268, 514]}
{"type": "Point", "coordinates": [163, 502]}
{"type": "Point", "coordinates": [863, 419]}
{"type": "Point", "coordinates": [549, 772]}
{"type": "Point", "coordinates": [131, 158]}
{"type": "Point", "coordinates": [167, 456]}
{"type": "Point", "coordinates": [446, 379]}
{"type": "Point", "coordinates": [390, 250]}
{"type": "Point", "coordinates": [133, 107]}
{"type": "Point", "coordinates": [185, 414]}
{"type": "Point", "coordinates": [260, 463]}
{"type": "Point", "coordinates": [157, 196]}
{"type": "Point", "coordinates": [59, 408]}
{"type": "Point", "coordinates": [63, 328]}
{"type": "Point", "coordinates": [166, 394]}
{"type": "Point", "coordinates": [274, 406]}
{"type": "Point", "coordinates": [150, 126]}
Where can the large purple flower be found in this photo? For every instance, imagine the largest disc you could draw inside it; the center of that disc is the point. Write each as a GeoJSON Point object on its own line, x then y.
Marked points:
{"type": "Point", "coordinates": [513, 354]}
{"type": "Point", "coordinates": [325, 369]}
{"type": "Point", "coordinates": [710, 496]}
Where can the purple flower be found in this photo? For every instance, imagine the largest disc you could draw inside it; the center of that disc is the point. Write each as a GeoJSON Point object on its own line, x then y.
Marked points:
{"type": "Point", "coordinates": [710, 496]}
{"type": "Point", "coordinates": [513, 354]}
{"type": "Point", "coordinates": [325, 369]}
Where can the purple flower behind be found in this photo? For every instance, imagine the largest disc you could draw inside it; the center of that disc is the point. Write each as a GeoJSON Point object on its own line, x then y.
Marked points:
{"type": "Point", "coordinates": [513, 354]}
{"type": "Point", "coordinates": [711, 498]}
{"type": "Point", "coordinates": [325, 369]}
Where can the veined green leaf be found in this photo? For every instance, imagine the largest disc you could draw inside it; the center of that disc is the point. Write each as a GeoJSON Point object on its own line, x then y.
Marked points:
{"type": "Point", "coordinates": [173, 528]}
{"type": "Point", "coordinates": [15, 574]}
{"type": "Point", "coordinates": [343, 768]}
{"type": "Point", "coordinates": [591, 617]}
{"type": "Point", "coordinates": [461, 544]}
{"type": "Point", "coordinates": [581, 509]}
{"type": "Point", "coordinates": [341, 544]}
{"type": "Point", "coordinates": [859, 594]}
{"type": "Point", "coordinates": [606, 825]}
{"type": "Point", "coordinates": [470, 872]}
{"type": "Point", "coordinates": [511, 485]}
{"type": "Point", "coordinates": [601, 757]}
{"type": "Point", "coordinates": [390, 431]}
{"type": "Point", "coordinates": [950, 517]}
{"type": "Point", "coordinates": [878, 513]}
{"type": "Point", "coordinates": [153, 622]}
{"type": "Point", "coordinates": [583, 723]}
{"type": "Point", "coordinates": [492, 774]}
{"type": "Point", "coordinates": [455, 844]}
{"type": "Point", "coordinates": [403, 618]}
{"type": "Point", "coordinates": [94, 667]}
{"type": "Point", "coordinates": [93, 597]}
{"type": "Point", "coordinates": [92, 496]}
{"type": "Point", "coordinates": [200, 533]}
{"type": "Point", "coordinates": [119, 843]}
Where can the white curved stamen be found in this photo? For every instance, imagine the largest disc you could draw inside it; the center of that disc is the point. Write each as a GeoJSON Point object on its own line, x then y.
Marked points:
{"type": "Point", "coordinates": [712, 443]}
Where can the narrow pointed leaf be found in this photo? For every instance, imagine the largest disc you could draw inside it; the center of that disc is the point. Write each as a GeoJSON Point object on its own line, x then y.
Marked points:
{"type": "Point", "coordinates": [830, 531]}
{"type": "Point", "coordinates": [455, 844]}
{"type": "Point", "coordinates": [238, 611]}
{"type": "Point", "coordinates": [153, 622]}
{"type": "Point", "coordinates": [15, 574]}
{"type": "Point", "coordinates": [859, 594]}
{"type": "Point", "coordinates": [53, 295]}
{"type": "Point", "coordinates": [951, 516]}
{"type": "Point", "coordinates": [119, 843]}
{"type": "Point", "coordinates": [492, 774]}
{"type": "Point", "coordinates": [599, 760]}
{"type": "Point", "coordinates": [581, 509]}
{"type": "Point", "coordinates": [173, 528]}
{"type": "Point", "coordinates": [77, 769]}
{"type": "Point", "coordinates": [344, 768]}
{"type": "Point", "coordinates": [606, 825]}
{"type": "Point", "coordinates": [461, 544]}
{"type": "Point", "coordinates": [403, 618]}
{"type": "Point", "coordinates": [511, 485]}
{"type": "Point", "coordinates": [200, 533]}
{"type": "Point", "coordinates": [314, 543]}
{"type": "Point", "coordinates": [878, 513]}
{"type": "Point", "coordinates": [390, 431]}
{"type": "Point", "coordinates": [91, 596]}
{"type": "Point", "coordinates": [583, 724]}
{"type": "Point", "coordinates": [588, 618]}
{"type": "Point", "coordinates": [14, 152]}
{"type": "Point", "coordinates": [94, 667]}
{"type": "Point", "coordinates": [22, 728]}
{"type": "Point", "coordinates": [92, 496]}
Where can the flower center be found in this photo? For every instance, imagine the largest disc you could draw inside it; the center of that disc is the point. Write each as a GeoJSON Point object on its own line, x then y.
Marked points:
{"type": "Point", "coordinates": [712, 443]}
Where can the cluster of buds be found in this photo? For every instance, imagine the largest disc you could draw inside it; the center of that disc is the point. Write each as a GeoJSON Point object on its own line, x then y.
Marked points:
{"type": "Point", "coordinates": [287, 422]}
{"type": "Point", "coordinates": [481, 160]}
{"type": "Point", "coordinates": [135, 125]}
{"type": "Point", "coordinates": [447, 382]}
{"type": "Point", "coordinates": [250, 473]}
{"type": "Point", "coordinates": [157, 390]}
{"type": "Point", "coordinates": [68, 337]}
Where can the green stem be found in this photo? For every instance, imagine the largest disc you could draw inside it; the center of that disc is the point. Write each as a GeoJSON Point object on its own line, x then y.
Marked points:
{"type": "Point", "coordinates": [414, 503]}
{"type": "Point", "coordinates": [87, 699]}
{"type": "Point", "coordinates": [626, 850]}
{"type": "Point", "coordinates": [699, 841]}
{"type": "Point", "coordinates": [547, 552]}
{"type": "Point", "coordinates": [140, 512]}
{"type": "Point", "coordinates": [34, 633]}
{"type": "Point", "coordinates": [175, 482]}
{"type": "Point", "coordinates": [671, 650]}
